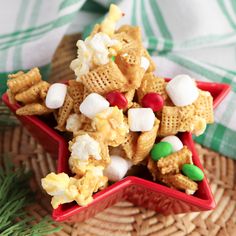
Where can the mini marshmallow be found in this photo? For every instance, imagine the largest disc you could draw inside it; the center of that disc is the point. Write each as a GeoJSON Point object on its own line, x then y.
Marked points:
{"type": "Point", "coordinates": [174, 141]}
{"type": "Point", "coordinates": [56, 96]}
{"type": "Point", "coordinates": [117, 168]}
{"type": "Point", "coordinates": [145, 63]}
{"type": "Point", "coordinates": [93, 104]}
{"type": "Point", "coordinates": [182, 90]}
{"type": "Point", "coordinates": [141, 119]}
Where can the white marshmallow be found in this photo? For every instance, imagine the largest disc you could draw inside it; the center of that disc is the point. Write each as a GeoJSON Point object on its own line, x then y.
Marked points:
{"type": "Point", "coordinates": [93, 104]}
{"type": "Point", "coordinates": [174, 141]}
{"type": "Point", "coordinates": [145, 63]}
{"type": "Point", "coordinates": [141, 119]}
{"type": "Point", "coordinates": [56, 96]}
{"type": "Point", "coordinates": [182, 90]}
{"type": "Point", "coordinates": [117, 168]}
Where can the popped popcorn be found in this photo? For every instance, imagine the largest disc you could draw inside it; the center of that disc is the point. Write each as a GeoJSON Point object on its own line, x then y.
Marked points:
{"type": "Point", "coordinates": [73, 123]}
{"type": "Point", "coordinates": [60, 187]}
{"type": "Point", "coordinates": [84, 147]}
{"type": "Point", "coordinates": [92, 52]}
{"type": "Point", "coordinates": [65, 189]}
{"type": "Point", "coordinates": [109, 23]}
{"type": "Point", "coordinates": [111, 125]}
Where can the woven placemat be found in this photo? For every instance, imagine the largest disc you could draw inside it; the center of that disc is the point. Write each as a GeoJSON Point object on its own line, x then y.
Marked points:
{"type": "Point", "coordinates": [125, 219]}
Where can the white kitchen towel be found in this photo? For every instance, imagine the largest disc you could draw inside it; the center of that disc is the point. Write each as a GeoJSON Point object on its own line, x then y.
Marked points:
{"type": "Point", "coordinates": [30, 31]}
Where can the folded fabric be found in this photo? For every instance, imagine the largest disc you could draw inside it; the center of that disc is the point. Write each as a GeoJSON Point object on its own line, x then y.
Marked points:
{"type": "Point", "coordinates": [30, 33]}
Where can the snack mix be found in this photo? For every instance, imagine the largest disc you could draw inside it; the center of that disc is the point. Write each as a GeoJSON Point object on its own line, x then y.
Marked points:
{"type": "Point", "coordinates": [119, 113]}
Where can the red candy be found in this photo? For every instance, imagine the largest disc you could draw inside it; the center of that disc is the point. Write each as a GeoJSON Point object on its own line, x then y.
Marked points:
{"type": "Point", "coordinates": [118, 99]}
{"type": "Point", "coordinates": [153, 101]}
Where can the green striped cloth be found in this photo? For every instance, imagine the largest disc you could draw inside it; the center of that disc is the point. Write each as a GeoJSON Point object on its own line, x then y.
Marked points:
{"type": "Point", "coordinates": [196, 37]}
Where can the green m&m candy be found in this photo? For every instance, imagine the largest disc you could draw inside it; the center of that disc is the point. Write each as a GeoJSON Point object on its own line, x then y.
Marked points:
{"type": "Point", "coordinates": [160, 150]}
{"type": "Point", "coordinates": [193, 172]}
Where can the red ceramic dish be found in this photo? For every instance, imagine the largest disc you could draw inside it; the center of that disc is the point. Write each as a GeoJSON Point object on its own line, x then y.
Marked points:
{"type": "Point", "coordinates": [139, 191]}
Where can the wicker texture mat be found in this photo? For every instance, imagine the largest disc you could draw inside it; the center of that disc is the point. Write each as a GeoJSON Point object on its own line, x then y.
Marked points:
{"type": "Point", "coordinates": [124, 219]}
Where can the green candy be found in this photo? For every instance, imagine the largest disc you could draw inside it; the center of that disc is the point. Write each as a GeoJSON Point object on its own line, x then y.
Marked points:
{"type": "Point", "coordinates": [193, 172]}
{"type": "Point", "coordinates": [113, 58]}
{"type": "Point", "coordinates": [160, 150]}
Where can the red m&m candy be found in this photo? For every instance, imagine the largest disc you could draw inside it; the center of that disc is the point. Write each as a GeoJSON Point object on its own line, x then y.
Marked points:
{"type": "Point", "coordinates": [153, 101]}
{"type": "Point", "coordinates": [118, 99]}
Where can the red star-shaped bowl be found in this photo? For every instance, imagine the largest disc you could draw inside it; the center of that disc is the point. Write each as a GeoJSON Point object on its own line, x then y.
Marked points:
{"type": "Point", "coordinates": [139, 191]}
